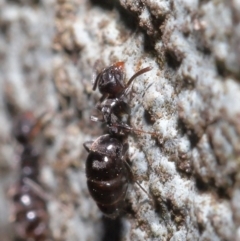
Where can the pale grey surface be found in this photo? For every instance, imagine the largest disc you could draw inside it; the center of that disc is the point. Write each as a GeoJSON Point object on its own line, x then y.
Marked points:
{"type": "Point", "coordinates": [49, 53]}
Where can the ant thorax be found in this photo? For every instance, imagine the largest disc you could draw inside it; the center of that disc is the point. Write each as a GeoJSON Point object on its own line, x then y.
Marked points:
{"type": "Point", "coordinates": [115, 112]}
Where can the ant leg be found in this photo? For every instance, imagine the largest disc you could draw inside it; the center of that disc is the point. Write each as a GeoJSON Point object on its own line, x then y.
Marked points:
{"type": "Point", "coordinates": [135, 181]}
{"type": "Point", "coordinates": [96, 119]}
{"type": "Point", "coordinates": [37, 189]}
{"type": "Point", "coordinates": [96, 81]}
{"type": "Point", "coordinates": [137, 131]}
{"type": "Point", "coordinates": [126, 128]}
{"type": "Point", "coordinates": [147, 89]}
{"type": "Point", "coordinates": [103, 97]}
{"type": "Point", "coordinates": [125, 148]}
{"type": "Point", "coordinates": [122, 107]}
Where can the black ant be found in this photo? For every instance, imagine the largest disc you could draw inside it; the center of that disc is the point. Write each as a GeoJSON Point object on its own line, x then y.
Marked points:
{"type": "Point", "coordinates": [30, 214]}
{"type": "Point", "coordinates": [107, 170]}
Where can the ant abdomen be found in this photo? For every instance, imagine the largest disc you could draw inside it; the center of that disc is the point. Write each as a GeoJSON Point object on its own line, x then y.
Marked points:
{"type": "Point", "coordinates": [107, 176]}
{"type": "Point", "coordinates": [108, 195]}
{"type": "Point", "coordinates": [31, 219]}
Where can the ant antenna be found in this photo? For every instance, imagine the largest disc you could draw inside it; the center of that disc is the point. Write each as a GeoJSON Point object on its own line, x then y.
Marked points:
{"type": "Point", "coordinates": [96, 74]}
{"type": "Point", "coordinates": [96, 82]}
{"type": "Point", "coordinates": [140, 72]}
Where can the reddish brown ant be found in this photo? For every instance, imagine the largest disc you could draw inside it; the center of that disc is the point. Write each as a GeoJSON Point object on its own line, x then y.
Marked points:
{"type": "Point", "coordinates": [107, 170]}
{"type": "Point", "coordinates": [30, 214]}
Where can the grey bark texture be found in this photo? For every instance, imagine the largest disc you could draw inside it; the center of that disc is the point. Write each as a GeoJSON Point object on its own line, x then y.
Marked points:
{"type": "Point", "coordinates": [49, 53]}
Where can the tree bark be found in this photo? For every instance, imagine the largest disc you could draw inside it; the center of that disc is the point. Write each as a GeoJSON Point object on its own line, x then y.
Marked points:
{"type": "Point", "coordinates": [50, 52]}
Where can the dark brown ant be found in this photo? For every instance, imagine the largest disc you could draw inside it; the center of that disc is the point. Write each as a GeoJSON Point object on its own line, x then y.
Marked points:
{"type": "Point", "coordinates": [108, 173]}
{"type": "Point", "coordinates": [30, 214]}
{"type": "Point", "coordinates": [113, 103]}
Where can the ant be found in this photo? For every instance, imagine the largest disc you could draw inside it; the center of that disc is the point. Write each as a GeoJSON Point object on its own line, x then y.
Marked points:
{"type": "Point", "coordinates": [30, 213]}
{"type": "Point", "coordinates": [107, 170]}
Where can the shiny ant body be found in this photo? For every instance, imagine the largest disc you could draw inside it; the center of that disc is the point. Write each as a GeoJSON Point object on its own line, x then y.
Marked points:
{"type": "Point", "coordinates": [108, 173]}
{"type": "Point", "coordinates": [30, 214]}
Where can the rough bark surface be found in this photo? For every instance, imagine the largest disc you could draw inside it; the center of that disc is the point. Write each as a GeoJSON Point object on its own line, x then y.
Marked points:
{"type": "Point", "coordinates": [49, 53]}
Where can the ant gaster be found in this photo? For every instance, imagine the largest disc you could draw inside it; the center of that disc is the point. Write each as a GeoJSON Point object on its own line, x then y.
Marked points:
{"type": "Point", "coordinates": [107, 170]}
{"type": "Point", "coordinates": [30, 214]}
{"type": "Point", "coordinates": [107, 176]}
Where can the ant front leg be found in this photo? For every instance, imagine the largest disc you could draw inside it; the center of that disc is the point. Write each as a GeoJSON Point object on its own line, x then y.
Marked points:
{"type": "Point", "coordinates": [125, 149]}
{"type": "Point", "coordinates": [106, 109]}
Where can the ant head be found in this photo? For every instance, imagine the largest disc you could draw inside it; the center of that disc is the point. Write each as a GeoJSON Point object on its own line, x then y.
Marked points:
{"type": "Point", "coordinates": [110, 80]}
{"type": "Point", "coordinates": [27, 127]}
